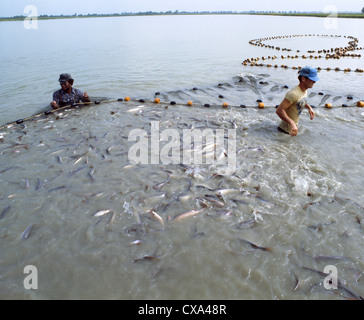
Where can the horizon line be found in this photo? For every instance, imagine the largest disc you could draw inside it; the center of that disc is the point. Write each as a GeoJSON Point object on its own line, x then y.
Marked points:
{"type": "Point", "coordinates": [177, 12]}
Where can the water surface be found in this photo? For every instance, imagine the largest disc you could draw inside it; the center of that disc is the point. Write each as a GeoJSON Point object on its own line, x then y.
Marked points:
{"type": "Point", "coordinates": [293, 205]}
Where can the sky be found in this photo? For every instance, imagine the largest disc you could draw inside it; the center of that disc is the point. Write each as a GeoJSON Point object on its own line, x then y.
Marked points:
{"type": "Point", "coordinates": [9, 8]}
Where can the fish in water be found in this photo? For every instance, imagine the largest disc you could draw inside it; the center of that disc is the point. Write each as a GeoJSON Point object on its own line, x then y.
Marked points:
{"type": "Point", "coordinates": [188, 214]}
{"type": "Point", "coordinates": [58, 188]}
{"type": "Point", "coordinates": [246, 224]}
{"type": "Point", "coordinates": [156, 216]}
{"type": "Point", "coordinates": [209, 198]}
{"type": "Point", "coordinates": [26, 233]}
{"type": "Point", "coordinates": [145, 258]}
{"type": "Point", "coordinates": [136, 242]}
{"type": "Point", "coordinates": [343, 201]}
{"type": "Point", "coordinates": [158, 186]}
{"type": "Point", "coordinates": [5, 211]}
{"type": "Point", "coordinates": [256, 246]}
{"type": "Point", "coordinates": [336, 98]}
{"type": "Point", "coordinates": [341, 283]}
{"type": "Point", "coordinates": [328, 258]}
{"type": "Point", "coordinates": [9, 168]}
{"type": "Point", "coordinates": [39, 184]}
{"type": "Point", "coordinates": [76, 170]}
{"type": "Point", "coordinates": [224, 192]}
{"type": "Point", "coordinates": [101, 213]}
{"type": "Point", "coordinates": [137, 109]}
{"type": "Point", "coordinates": [312, 94]}
{"type": "Point", "coordinates": [91, 175]}
{"type": "Point", "coordinates": [275, 88]}
{"type": "Point", "coordinates": [325, 98]}
{"type": "Point", "coordinates": [297, 283]}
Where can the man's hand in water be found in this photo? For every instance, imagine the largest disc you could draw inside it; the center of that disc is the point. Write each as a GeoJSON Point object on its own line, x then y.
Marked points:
{"type": "Point", "coordinates": [86, 98]}
{"type": "Point", "coordinates": [54, 105]}
{"type": "Point", "coordinates": [294, 130]}
{"type": "Point", "coordinates": [311, 112]}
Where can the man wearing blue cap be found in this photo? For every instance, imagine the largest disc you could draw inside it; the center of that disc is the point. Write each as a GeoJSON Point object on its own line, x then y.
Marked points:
{"type": "Point", "coordinates": [295, 100]}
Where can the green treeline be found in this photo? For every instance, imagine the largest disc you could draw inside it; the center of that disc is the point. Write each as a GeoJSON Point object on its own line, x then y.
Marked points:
{"type": "Point", "coordinates": [152, 13]}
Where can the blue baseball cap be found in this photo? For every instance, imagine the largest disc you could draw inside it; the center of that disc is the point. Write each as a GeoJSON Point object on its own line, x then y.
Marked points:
{"type": "Point", "coordinates": [310, 73]}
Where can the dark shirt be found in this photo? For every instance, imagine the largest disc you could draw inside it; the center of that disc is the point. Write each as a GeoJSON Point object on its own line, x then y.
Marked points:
{"type": "Point", "coordinates": [64, 99]}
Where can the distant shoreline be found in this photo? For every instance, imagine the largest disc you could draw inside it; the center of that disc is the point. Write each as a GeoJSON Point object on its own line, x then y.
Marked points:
{"type": "Point", "coordinates": [168, 13]}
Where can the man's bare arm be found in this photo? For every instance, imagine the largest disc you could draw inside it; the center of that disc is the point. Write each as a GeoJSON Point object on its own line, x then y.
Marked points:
{"type": "Point", "coordinates": [281, 112]}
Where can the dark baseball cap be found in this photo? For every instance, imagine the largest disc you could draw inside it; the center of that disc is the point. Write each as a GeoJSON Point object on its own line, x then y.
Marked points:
{"type": "Point", "coordinates": [65, 77]}
{"type": "Point", "coordinates": [310, 73]}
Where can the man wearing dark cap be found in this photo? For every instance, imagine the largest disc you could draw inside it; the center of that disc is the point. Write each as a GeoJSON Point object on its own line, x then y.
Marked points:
{"type": "Point", "coordinates": [295, 100]}
{"type": "Point", "coordinates": [67, 95]}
